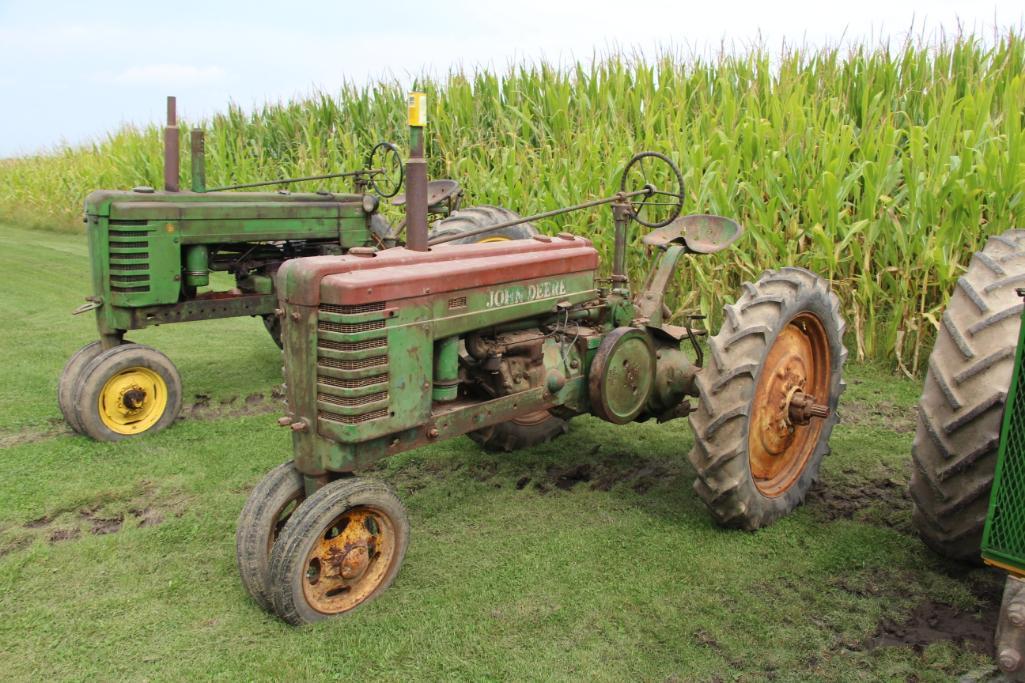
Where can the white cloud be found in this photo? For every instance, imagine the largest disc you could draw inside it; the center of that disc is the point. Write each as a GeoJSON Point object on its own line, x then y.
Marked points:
{"type": "Point", "coordinates": [181, 75]}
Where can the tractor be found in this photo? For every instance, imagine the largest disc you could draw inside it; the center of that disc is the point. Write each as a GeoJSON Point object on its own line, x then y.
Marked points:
{"type": "Point", "coordinates": [968, 480]}
{"type": "Point", "coordinates": [152, 254]}
{"type": "Point", "coordinates": [394, 349]}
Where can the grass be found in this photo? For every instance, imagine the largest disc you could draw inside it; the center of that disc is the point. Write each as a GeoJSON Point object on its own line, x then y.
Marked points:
{"type": "Point", "coordinates": [882, 168]}
{"type": "Point", "coordinates": [117, 560]}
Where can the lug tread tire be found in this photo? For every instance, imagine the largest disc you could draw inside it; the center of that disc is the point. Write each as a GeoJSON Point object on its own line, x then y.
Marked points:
{"type": "Point", "coordinates": [262, 510]}
{"type": "Point", "coordinates": [509, 436]}
{"type": "Point", "coordinates": [288, 557]}
{"type": "Point", "coordinates": [69, 380]}
{"type": "Point", "coordinates": [474, 217]}
{"type": "Point", "coordinates": [961, 408]}
{"type": "Point", "coordinates": [726, 387]}
{"type": "Point", "coordinates": [95, 374]}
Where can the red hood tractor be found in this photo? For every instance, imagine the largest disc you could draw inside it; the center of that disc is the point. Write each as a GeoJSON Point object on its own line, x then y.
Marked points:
{"type": "Point", "coordinates": [390, 350]}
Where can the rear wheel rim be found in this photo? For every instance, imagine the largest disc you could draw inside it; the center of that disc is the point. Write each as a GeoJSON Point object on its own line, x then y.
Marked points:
{"type": "Point", "coordinates": [798, 361]}
{"type": "Point", "coordinates": [133, 400]}
{"type": "Point", "coordinates": [350, 559]}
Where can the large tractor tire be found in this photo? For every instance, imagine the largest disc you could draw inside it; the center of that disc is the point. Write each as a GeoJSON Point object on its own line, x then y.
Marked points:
{"type": "Point", "coordinates": [474, 217]}
{"type": "Point", "coordinates": [535, 428]}
{"type": "Point", "coordinates": [962, 404]}
{"type": "Point", "coordinates": [756, 450]}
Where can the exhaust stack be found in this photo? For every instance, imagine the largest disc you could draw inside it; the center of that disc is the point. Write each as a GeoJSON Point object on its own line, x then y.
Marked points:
{"type": "Point", "coordinates": [172, 173]}
{"type": "Point", "coordinates": [416, 175]}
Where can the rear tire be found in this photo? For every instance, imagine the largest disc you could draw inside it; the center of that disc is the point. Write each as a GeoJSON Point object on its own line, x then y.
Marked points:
{"type": "Point", "coordinates": [730, 429]}
{"type": "Point", "coordinates": [475, 217]}
{"type": "Point", "coordinates": [273, 325]}
{"type": "Point", "coordinates": [69, 380]}
{"type": "Point", "coordinates": [962, 404]}
{"type": "Point", "coordinates": [529, 430]}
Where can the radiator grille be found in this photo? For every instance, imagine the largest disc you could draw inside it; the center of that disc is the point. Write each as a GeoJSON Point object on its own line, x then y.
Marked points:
{"type": "Point", "coordinates": [352, 310]}
{"type": "Point", "coordinates": [355, 364]}
{"type": "Point", "coordinates": [350, 328]}
{"type": "Point", "coordinates": [353, 346]}
{"type": "Point", "coordinates": [353, 401]}
{"type": "Point", "coordinates": [347, 348]}
{"type": "Point", "coordinates": [127, 279]}
{"type": "Point", "coordinates": [353, 419]}
{"type": "Point", "coordinates": [357, 383]}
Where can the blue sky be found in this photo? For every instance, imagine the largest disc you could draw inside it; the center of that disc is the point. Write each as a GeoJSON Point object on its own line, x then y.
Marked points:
{"type": "Point", "coordinates": [71, 71]}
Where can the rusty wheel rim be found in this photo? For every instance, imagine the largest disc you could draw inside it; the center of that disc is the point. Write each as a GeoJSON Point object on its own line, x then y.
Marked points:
{"type": "Point", "coordinates": [779, 447]}
{"type": "Point", "coordinates": [350, 560]}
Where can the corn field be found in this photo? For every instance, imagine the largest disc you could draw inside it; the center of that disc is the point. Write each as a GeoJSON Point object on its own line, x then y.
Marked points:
{"type": "Point", "coordinates": [882, 169]}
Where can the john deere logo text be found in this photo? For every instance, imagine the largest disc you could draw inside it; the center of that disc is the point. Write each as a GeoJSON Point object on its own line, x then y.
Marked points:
{"type": "Point", "coordinates": [520, 294]}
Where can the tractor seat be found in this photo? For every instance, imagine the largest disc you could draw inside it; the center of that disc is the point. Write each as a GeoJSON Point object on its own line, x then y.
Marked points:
{"type": "Point", "coordinates": [701, 233]}
{"type": "Point", "coordinates": [437, 192]}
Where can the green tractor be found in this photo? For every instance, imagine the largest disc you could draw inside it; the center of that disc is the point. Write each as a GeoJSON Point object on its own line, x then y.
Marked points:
{"type": "Point", "coordinates": [152, 254]}
{"type": "Point", "coordinates": [390, 350]}
{"type": "Point", "coordinates": [968, 480]}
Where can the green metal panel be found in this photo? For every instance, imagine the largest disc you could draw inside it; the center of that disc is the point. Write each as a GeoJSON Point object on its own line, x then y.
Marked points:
{"type": "Point", "coordinates": [1003, 541]}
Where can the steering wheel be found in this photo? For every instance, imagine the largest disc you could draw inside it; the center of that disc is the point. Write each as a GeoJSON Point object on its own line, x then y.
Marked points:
{"type": "Point", "coordinates": [384, 165]}
{"type": "Point", "coordinates": [661, 181]}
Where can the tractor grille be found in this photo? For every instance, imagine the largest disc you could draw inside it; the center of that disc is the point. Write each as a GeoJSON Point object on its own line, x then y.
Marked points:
{"type": "Point", "coordinates": [1005, 527]}
{"type": "Point", "coordinates": [129, 257]}
{"type": "Point", "coordinates": [352, 365]}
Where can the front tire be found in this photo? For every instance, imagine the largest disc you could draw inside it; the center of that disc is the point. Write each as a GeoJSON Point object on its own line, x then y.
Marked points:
{"type": "Point", "coordinates": [341, 547]}
{"type": "Point", "coordinates": [69, 381]}
{"type": "Point", "coordinates": [962, 404]}
{"type": "Point", "coordinates": [265, 513]}
{"type": "Point", "coordinates": [783, 338]}
{"type": "Point", "coordinates": [127, 391]}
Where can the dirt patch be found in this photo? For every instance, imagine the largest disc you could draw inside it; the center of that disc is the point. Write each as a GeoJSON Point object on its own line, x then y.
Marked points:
{"type": "Point", "coordinates": [639, 474]}
{"type": "Point", "coordinates": [881, 413]}
{"type": "Point", "coordinates": [204, 408]}
{"type": "Point", "coordinates": [881, 502]}
{"type": "Point", "coordinates": [934, 622]}
{"type": "Point", "coordinates": [107, 514]}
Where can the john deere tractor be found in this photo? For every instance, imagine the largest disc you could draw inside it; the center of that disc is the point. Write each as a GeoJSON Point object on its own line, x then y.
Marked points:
{"type": "Point", "coordinates": [395, 349]}
{"type": "Point", "coordinates": [153, 252]}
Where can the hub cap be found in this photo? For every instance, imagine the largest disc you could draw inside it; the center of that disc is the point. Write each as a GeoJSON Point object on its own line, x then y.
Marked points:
{"type": "Point", "coordinates": [787, 408]}
{"type": "Point", "coordinates": [133, 400]}
{"type": "Point", "coordinates": [349, 560]}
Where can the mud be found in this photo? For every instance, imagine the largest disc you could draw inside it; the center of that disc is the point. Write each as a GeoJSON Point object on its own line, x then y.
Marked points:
{"type": "Point", "coordinates": [880, 502]}
{"type": "Point", "coordinates": [881, 413]}
{"type": "Point", "coordinates": [105, 515]}
{"type": "Point", "coordinates": [934, 622]}
{"type": "Point", "coordinates": [638, 474]}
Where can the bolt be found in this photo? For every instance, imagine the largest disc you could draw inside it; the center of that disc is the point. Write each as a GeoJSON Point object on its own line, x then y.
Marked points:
{"type": "Point", "coordinates": [432, 433]}
{"type": "Point", "coordinates": [781, 373]}
{"type": "Point", "coordinates": [279, 312]}
{"type": "Point", "coordinates": [1016, 613]}
{"type": "Point", "coordinates": [295, 316]}
{"type": "Point", "coordinates": [284, 421]}
{"type": "Point", "coordinates": [1009, 660]}
{"type": "Point", "coordinates": [574, 364]}
{"type": "Point", "coordinates": [299, 426]}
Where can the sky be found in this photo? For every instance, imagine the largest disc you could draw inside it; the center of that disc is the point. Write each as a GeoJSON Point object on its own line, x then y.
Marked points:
{"type": "Point", "coordinates": [72, 71]}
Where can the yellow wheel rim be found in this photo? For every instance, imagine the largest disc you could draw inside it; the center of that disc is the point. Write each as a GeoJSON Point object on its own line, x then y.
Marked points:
{"type": "Point", "coordinates": [493, 239]}
{"type": "Point", "coordinates": [133, 400]}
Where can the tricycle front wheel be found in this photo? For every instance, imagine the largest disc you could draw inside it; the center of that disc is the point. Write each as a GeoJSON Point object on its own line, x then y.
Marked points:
{"type": "Point", "coordinates": [340, 548]}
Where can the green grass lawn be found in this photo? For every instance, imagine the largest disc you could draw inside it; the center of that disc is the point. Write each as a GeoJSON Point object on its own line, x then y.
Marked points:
{"type": "Point", "coordinates": [587, 558]}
